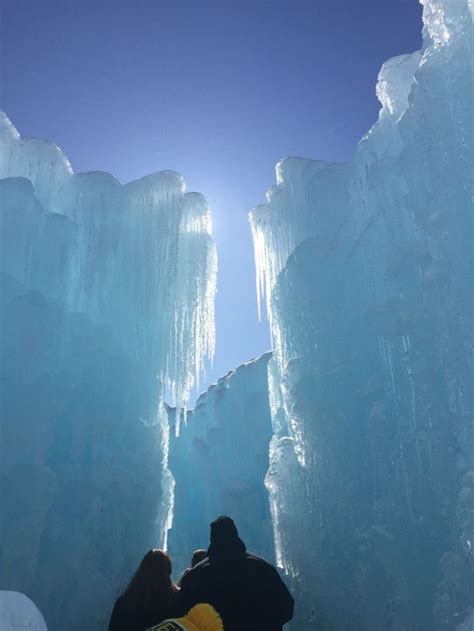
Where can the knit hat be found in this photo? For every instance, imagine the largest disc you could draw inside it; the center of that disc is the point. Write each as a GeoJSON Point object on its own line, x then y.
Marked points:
{"type": "Point", "coordinates": [223, 530]}
{"type": "Point", "coordinates": [202, 617]}
{"type": "Point", "coordinates": [225, 545]}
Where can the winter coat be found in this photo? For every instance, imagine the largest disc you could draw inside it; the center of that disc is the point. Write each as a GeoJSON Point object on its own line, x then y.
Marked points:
{"type": "Point", "coordinates": [246, 590]}
{"type": "Point", "coordinates": [125, 619]}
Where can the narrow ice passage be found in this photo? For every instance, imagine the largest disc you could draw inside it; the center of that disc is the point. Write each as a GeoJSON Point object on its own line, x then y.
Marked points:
{"type": "Point", "coordinates": [346, 454]}
{"type": "Point", "coordinates": [366, 269]}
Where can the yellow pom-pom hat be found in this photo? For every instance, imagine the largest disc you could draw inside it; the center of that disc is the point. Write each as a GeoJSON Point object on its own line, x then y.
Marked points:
{"type": "Point", "coordinates": [202, 617]}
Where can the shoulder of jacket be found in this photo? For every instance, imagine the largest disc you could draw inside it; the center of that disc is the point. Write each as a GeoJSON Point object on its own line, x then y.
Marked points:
{"type": "Point", "coordinates": [121, 604]}
{"type": "Point", "coordinates": [191, 573]}
{"type": "Point", "coordinates": [121, 600]}
{"type": "Point", "coordinates": [261, 561]}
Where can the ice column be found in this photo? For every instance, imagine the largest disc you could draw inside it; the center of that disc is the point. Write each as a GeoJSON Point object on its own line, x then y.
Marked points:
{"type": "Point", "coordinates": [367, 272]}
{"type": "Point", "coordinates": [107, 294]}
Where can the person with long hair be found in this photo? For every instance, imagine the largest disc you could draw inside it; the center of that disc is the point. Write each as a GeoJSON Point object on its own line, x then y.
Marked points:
{"type": "Point", "coordinates": [150, 597]}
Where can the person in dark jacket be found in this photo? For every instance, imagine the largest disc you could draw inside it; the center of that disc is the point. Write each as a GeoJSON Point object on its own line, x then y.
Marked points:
{"type": "Point", "coordinates": [150, 597]}
{"type": "Point", "coordinates": [246, 590]}
{"type": "Point", "coordinates": [198, 556]}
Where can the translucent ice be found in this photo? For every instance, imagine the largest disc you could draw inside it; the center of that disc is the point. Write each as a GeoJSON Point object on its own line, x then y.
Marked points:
{"type": "Point", "coordinates": [367, 272]}
{"type": "Point", "coordinates": [107, 293]}
{"type": "Point", "coordinates": [219, 463]}
{"type": "Point", "coordinates": [128, 252]}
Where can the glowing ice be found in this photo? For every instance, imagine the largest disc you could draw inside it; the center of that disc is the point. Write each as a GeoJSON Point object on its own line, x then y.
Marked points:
{"type": "Point", "coordinates": [107, 293]}
{"type": "Point", "coordinates": [219, 463]}
{"type": "Point", "coordinates": [367, 272]}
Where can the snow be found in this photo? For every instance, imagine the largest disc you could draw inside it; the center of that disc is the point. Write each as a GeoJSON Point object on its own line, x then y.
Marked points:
{"type": "Point", "coordinates": [18, 613]}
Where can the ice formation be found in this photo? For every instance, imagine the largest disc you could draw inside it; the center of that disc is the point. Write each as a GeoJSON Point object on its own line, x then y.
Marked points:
{"type": "Point", "coordinates": [18, 613]}
{"type": "Point", "coordinates": [219, 463]}
{"type": "Point", "coordinates": [352, 443]}
{"type": "Point", "coordinates": [128, 253]}
{"type": "Point", "coordinates": [107, 293]}
{"type": "Point", "coordinates": [367, 272]}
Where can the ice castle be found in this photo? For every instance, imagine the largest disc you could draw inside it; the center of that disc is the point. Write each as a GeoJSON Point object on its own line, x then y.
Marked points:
{"type": "Point", "coordinates": [346, 455]}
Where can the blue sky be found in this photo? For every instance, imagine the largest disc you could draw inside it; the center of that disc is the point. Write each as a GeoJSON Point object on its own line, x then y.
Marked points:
{"type": "Point", "coordinates": [218, 91]}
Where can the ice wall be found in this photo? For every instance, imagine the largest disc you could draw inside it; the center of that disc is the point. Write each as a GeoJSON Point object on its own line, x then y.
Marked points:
{"type": "Point", "coordinates": [219, 462]}
{"type": "Point", "coordinates": [367, 272]}
{"type": "Point", "coordinates": [107, 293]}
{"type": "Point", "coordinates": [137, 251]}
{"type": "Point", "coordinates": [18, 613]}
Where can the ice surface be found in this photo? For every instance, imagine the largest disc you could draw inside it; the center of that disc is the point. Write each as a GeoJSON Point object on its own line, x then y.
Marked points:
{"type": "Point", "coordinates": [107, 293]}
{"type": "Point", "coordinates": [19, 613]}
{"type": "Point", "coordinates": [219, 462]}
{"type": "Point", "coordinates": [367, 272]}
{"type": "Point", "coordinates": [107, 296]}
{"type": "Point", "coordinates": [120, 232]}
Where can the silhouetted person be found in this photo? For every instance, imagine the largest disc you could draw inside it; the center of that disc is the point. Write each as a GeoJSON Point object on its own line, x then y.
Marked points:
{"type": "Point", "coordinates": [150, 598]}
{"type": "Point", "coordinates": [198, 556]}
{"type": "Point", "coordinates": [246, 590]}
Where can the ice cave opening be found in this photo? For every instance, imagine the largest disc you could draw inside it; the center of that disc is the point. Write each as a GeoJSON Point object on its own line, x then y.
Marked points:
{"type": "Point", "coordinates": [345, 455]}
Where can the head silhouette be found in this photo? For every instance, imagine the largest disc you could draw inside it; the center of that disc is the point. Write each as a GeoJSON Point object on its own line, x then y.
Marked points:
{"type": "Point", "coordinates": [198, 556]}
{"type": "Point", "coordinates": [223, 529]}
{"type": "Point", "coordinates": [225, 541]}
{"type": "Point", "coordinates": [151, 585]}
